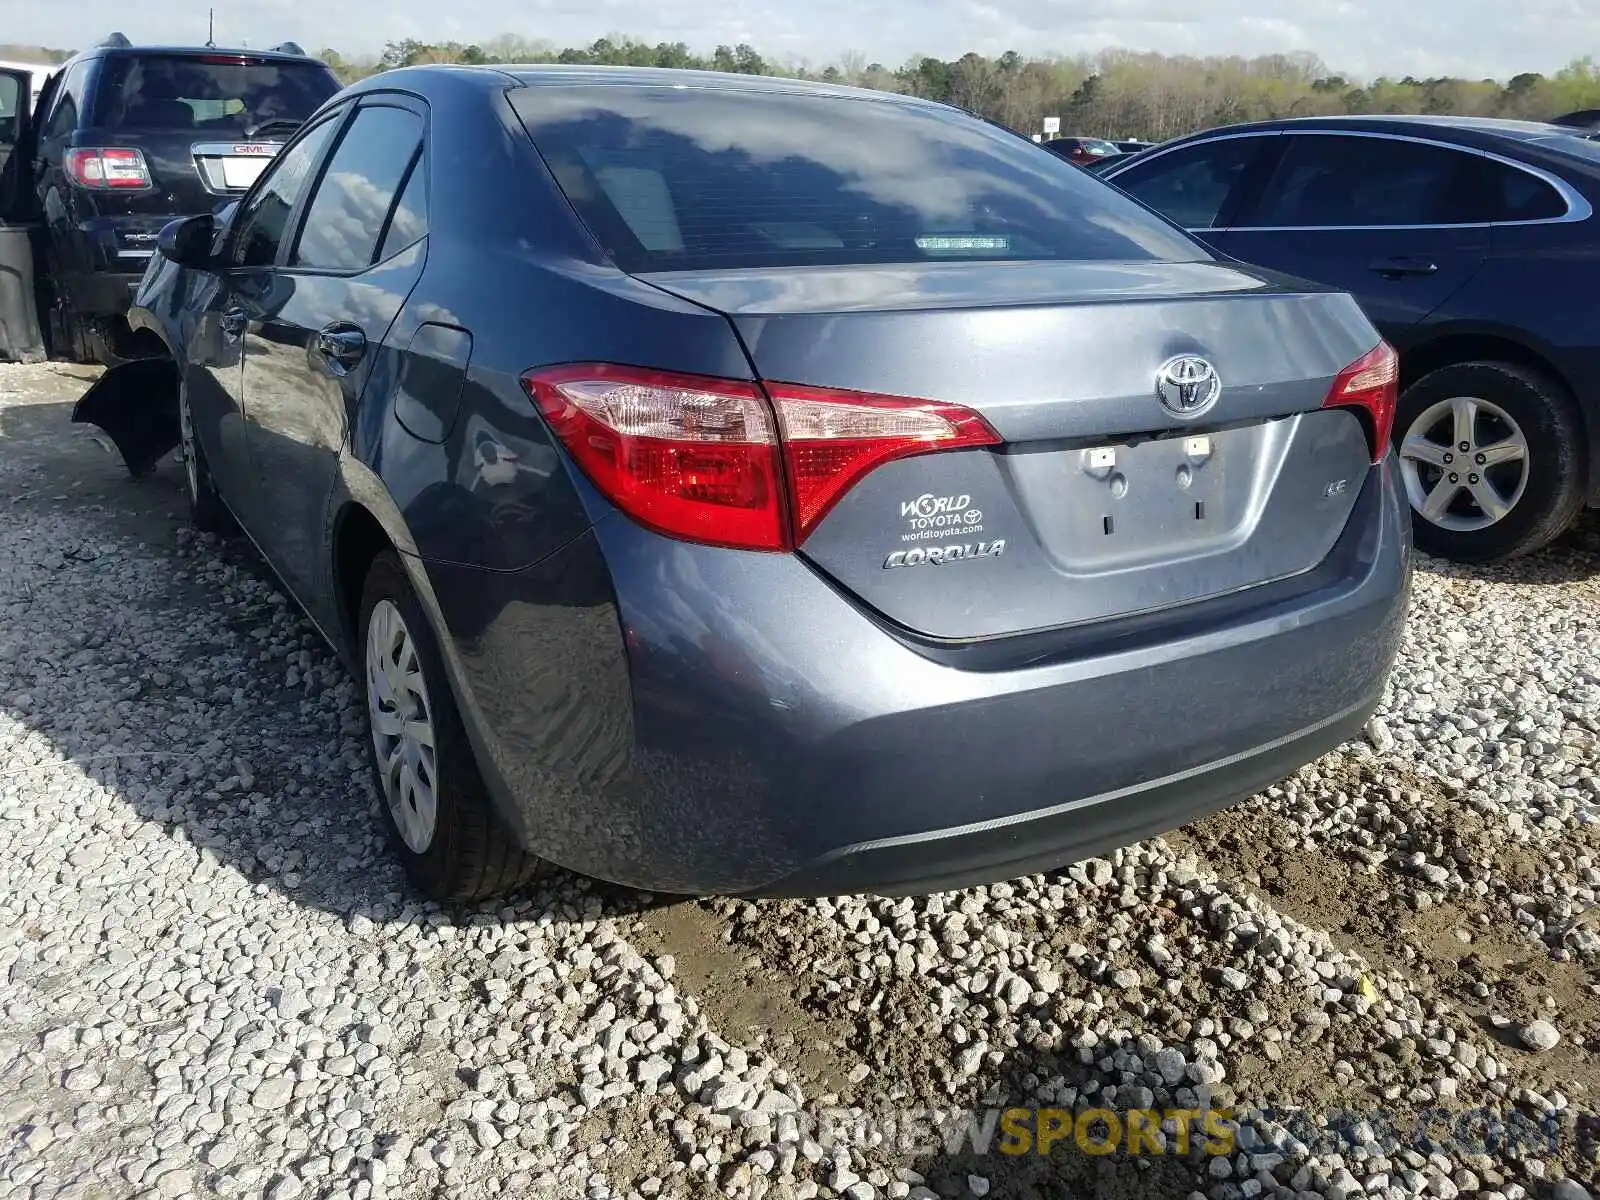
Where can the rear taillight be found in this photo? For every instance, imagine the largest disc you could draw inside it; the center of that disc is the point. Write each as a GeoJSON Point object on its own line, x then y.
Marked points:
{"type": "Point", "coordinates": [1372, 384]}
{"type": "Point", "coordinates": [833, 438]}
{"type": "Point", "coordinates": [704, 460]}
{"type": "Point", "coordinates": [109, 168]}
{"type": "Point", "coordinates": [688, 456]}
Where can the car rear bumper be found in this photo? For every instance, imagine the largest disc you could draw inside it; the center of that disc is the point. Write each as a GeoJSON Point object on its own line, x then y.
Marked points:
{"type": "Point", "coordinates": [100, 261]}
{"type": "Point", "coordinates": [684, 719]}
{"type": "Point", "coordinates": [101, 293]}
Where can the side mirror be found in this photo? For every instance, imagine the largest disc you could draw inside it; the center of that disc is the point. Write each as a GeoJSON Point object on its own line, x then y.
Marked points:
{"type": "Point", "coordinates": [187, 241]}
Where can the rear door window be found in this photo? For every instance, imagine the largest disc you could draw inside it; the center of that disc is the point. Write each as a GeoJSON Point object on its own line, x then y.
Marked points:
{"type": "Point", "coordinates": [408, 223]}
{"type": "Point", "coordinates": [1339, 181]}
{"type": "Point", "coordinates": [698, 178]}
{"type": "Point", "coordinates": [1192, 185]}
{"type": "Point", "coordinates": [213, 93]}
{"type": "Point", "coordinates": [350, 209]}
{"type": "Point", "coordinates": [64, 107]}
{"type": "Point", "coordinates": [1493, 191]}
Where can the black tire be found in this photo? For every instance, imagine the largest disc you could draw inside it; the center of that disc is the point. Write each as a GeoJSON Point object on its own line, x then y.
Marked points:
{"type": "Point", "coordinates": [471, 855]}
{"type": "Point", "coordinates": [1556, 464]}
{"type": "Point", "coordinates": [206, 509]}
{"type": "Point", "coordinates": [69, 334]}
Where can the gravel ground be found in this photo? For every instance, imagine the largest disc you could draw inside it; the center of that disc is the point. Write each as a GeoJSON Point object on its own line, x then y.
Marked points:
{"type": "Point", "coordinates": [213, 981]}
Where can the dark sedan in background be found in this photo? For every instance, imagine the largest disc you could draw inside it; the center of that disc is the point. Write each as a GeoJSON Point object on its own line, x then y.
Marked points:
{"type": "Point", "coordinates": [737, 485]}
{"type": "Point", "coordinates": [1473, 246]}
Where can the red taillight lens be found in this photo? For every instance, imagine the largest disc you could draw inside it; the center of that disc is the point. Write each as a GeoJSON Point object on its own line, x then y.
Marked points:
{"type": "Point", "coordinates": [106, 169]}
{"type": "Point", "coordinates": [702, 459]}
{"type": "Point", "coordinates": [1371, 383]}
{"type": "Point", "coordinates": [688, 456]}
{"type": "Point", "coordinates": [833, 438]}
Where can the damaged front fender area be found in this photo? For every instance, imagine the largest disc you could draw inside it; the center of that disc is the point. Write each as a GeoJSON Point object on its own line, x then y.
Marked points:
{"type": "Point", "coordinates": [136, 404]}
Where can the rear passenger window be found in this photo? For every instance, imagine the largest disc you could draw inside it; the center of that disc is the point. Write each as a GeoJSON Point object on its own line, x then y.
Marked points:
{"type": "Point", "coordinates": [1497, 191]}
{"type": "Point", "coordinates": [1339, 181]}
{"type": "Point", "coordinates": [409, 221]}
{"type": "Point", "coordinates": [64, 114]}
{"type": "Point", "coordinates": [1191, 186]}
{"type": "Point", "coordinates": [264, 219]}
{"type": "Point", "coordinates": [350, 208]}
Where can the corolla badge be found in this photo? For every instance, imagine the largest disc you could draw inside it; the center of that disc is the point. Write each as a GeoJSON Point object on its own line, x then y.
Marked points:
{"type": "Point", "coordinates": [1187, 385]}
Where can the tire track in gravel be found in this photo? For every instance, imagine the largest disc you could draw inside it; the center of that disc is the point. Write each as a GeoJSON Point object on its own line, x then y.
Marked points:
{"type": "Point", "coordinates": [749, 986]}
{"type": "Point", "coordinates": [1417, 925]}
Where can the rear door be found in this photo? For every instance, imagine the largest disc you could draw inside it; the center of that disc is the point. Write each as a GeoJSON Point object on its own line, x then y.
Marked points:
{"type": "Point", "coordinates": [324, 309]}
{"type": "Point", "coordinates": [1379, 216]}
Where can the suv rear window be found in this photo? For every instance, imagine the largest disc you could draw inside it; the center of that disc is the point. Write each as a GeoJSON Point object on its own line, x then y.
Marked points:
{"type": "Point", "coordinates": [214, 93]}
{"type": "Point", "coordinates": [702, 178]}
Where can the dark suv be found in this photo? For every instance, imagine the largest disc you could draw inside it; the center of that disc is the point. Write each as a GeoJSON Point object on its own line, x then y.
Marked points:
{"type": "Point", "coordinates": [124, 139]}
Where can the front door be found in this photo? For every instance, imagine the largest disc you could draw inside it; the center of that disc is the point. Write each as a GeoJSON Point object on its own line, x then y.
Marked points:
{"type": "Point", "coordinates": [1372, 215]}
{"type": "Point", "coordinates": [316, 328]}
{"type": "Point", "coordinates": [215, 377]}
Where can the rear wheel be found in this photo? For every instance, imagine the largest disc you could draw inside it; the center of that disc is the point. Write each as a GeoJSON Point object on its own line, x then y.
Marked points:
{"type": "Point", "coordinates": [206, 509]}
{"type": "Point", "coordinates": [436, 807]}
{"type": "Point", "coordinates": [1492, 458]}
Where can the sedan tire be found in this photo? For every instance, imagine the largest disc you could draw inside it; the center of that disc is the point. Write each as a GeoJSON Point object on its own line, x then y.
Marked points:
{"type": "Point", "coordinates": [1492, 458]}
{"type": "Point", "coordinates": [436, 806]}
{"type": "Point", "coordinates": [206, 509]}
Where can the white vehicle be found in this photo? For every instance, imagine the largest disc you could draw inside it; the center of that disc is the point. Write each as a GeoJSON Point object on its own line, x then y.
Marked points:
{"type": "Point", "coordinates": [38, 73]}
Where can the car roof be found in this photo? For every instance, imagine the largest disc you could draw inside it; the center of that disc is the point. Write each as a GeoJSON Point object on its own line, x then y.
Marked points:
{"type": "Point", "coordinates": [194, 52]}
{"type": "Point", "coordinates": [585, 75]}
{"type": "Point", "coordinates": [1402, 123]}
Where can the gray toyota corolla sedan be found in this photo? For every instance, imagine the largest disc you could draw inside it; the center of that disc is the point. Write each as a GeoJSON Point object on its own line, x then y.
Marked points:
{"type": "Point", "coordinates": [751, 486]}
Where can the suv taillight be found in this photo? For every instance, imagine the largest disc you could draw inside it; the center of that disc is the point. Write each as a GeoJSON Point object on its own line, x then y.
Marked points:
{"type": "Point", "coordinates": [110, 168]}
{"type": "Point", "coordinates": [1371, 384]}
{"type": "Point", "coordinates": [704, 460]}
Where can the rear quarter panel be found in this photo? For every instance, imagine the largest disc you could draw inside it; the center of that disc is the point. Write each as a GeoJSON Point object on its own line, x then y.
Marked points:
{"type": "Point", "coordinates": [510, 266]}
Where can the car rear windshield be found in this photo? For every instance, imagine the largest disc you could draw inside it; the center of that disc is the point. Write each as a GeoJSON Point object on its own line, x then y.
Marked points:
{"type": "Point", "coordinates": [698, 178]}
{"type": "Point", "coordinates": [216, 93]}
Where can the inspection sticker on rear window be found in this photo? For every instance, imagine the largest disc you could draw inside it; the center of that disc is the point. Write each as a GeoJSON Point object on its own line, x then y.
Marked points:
{"type": "Point", "coordinates": [930, 517]}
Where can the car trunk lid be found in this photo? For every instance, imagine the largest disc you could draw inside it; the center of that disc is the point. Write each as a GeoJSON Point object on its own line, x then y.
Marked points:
{"type": "Point", "coordinates": [1100, 500]}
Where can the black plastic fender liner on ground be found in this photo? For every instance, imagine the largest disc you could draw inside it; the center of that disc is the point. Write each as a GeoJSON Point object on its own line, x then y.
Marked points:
{"type": "Point", "coordinates": [20, 340]}
{"type": "Point", "coordinates": [136, 403]}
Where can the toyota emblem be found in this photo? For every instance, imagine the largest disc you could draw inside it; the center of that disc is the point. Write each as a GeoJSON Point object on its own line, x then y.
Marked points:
{"type": "Point", "coordinates": [1187, 385]}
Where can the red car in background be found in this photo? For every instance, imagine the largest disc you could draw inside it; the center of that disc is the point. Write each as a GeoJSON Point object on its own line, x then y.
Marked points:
{"type": "Point", "coordinates": [1082, 150]}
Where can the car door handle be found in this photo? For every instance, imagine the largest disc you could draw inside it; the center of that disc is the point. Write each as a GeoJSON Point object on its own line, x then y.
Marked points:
{"type": "Point", "coordinates": [233, 322]}
{"type": "Point", "coordinates": [340, 347]}
{"type": "Point", "coordinates": [1396, 268]}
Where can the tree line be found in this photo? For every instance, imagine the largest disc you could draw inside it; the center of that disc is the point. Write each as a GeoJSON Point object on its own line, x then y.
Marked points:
{"type": "Point", "coordinates": [1115, 93]}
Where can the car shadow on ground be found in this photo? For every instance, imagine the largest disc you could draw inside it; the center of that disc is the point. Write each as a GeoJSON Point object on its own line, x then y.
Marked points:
{"type": "Point", "coordinates": [137, 716]}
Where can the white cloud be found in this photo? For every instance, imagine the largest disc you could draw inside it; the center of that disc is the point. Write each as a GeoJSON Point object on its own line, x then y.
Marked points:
{"type": "Point", "coordinates": [1361, 37]}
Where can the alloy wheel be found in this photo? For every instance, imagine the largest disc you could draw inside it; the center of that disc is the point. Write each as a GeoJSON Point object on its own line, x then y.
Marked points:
{"type": "Point", "coordinates": [1465, 463]}
{"type": "Point", "coordinates": [186, 446]}
{"type": "Point", "coordinates": [402, 726]}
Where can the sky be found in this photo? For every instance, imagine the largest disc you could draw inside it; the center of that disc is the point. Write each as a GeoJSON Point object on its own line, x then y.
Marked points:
{"type": "Point", "coordinates": [1361, 38]}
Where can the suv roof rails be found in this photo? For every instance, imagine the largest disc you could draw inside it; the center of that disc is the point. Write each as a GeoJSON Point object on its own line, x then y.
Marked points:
{"type": "Point", "coordinates": [116, 41]}
{"type": "Point", "coordinates": [288, 48]}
